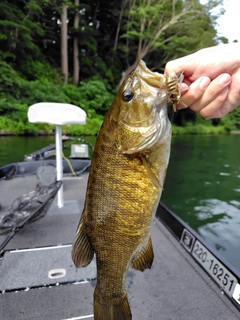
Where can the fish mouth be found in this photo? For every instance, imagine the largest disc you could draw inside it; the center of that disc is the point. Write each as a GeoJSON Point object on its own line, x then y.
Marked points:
{"type": "Point", "coordinates": [160, 104]}
{"type": "Point", "coordinates": [158, 109]}
{"type": "Point", "coordinates": [147, 136]}
{"type": "Point", "coordinates": [144, 134]}
{"type": "Point", "coordinates": [154, 79]}
{"type": "Point", "coordinates": [145, 121]}
{"type": "Point", "coordinates": [150, 105]}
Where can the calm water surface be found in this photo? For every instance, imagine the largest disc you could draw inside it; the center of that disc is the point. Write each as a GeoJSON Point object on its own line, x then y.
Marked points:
{"type": "Point", "coordinates": [203, 188]}
{"type": "Point", "coordinates": [202, 184]}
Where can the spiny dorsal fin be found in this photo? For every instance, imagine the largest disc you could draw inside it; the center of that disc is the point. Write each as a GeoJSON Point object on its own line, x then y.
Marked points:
{"type": "Point", "coordinates": [145, 257]}
{"type": "Point", "coordinates": [82, 251]}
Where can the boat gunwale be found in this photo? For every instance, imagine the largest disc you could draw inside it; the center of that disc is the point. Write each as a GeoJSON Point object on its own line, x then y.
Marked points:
{"type": "Point", "coordinates": [176, 226]}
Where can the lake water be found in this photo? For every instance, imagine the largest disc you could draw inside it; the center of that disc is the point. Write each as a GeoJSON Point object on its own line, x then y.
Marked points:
{"type": "Point", "coordinates": [202, 184]}
{"type": "Point", "coordinates": [203, 188]}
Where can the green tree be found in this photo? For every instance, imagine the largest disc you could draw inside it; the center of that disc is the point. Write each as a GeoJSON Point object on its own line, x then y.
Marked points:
{"type": "Point", "coordinates": [64, 42]}
{"type": "Point", "coordinates": [110, 37]}
{"type": "Point", "coordinates": [18, 29]}
{"type": "Point", "coordinates": [76, 67]}
{"type": "Point", "coordinates": [25, 33]}
{"type": "Point", "coordinates": [164, 26]}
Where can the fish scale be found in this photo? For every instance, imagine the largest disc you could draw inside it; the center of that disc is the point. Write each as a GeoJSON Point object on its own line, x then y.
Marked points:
{"type": "Point", "coordinates": [124, 187]}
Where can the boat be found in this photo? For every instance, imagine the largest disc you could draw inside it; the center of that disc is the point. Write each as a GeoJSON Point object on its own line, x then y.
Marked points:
{"type": "Point", "coordinates": [188, 279]}
{"type": "Point", "coordinates": [26, 208]}
{"type": "Point", "coordinates": [41, 163]}
{"type": "Point", "coordinates": [39, 280]}
{"type": "Point", "coordinates": [77, 162]}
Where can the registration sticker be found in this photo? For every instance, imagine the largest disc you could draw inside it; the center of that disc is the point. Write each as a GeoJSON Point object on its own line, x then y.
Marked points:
{"type": "Point", "coordinates": [226, 280]}
{"type": "Point", "coordinates": [187, 240]}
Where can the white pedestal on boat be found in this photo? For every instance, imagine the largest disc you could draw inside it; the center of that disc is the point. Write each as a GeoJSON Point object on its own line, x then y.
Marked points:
{"type": "Point", "coordinates": [58, 114]}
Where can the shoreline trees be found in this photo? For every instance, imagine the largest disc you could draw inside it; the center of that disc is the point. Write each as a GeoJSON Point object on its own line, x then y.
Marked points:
{"type": "Point", "coordinates": [106, 38]}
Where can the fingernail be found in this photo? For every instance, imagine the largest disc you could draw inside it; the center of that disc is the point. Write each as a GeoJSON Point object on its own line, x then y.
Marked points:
{"type": "Point", "coordinates": [201, 83]}
{"type": "Point", "coordinates": [224, 79]}
{"type": "Point", "coordinates": [204, 82]}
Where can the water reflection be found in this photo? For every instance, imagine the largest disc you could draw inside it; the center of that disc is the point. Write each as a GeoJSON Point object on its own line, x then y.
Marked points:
{"type": "Point", "coordinates": [214, 207]}
{"type": "Point", "coordinates": [223, 234]}
{"type": "Point", "coordinates": [203, 188]}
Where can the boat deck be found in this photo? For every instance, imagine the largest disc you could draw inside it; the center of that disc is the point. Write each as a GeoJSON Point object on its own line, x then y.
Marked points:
{"type": "Point", "coordinates": [39, 280]}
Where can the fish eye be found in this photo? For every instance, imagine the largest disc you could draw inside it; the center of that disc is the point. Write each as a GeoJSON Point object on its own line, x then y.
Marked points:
{"type": "Point", "coordinates": [127, 95]}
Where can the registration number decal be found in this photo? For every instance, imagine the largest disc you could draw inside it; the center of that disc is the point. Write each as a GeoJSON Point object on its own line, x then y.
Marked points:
{"type": "Point", "coordinates": [225, 279]}
{"type": "Point", "coordinates": [213, 266]}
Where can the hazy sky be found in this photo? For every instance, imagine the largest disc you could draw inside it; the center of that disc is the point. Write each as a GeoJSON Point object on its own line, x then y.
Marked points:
{"type": "Point", "coordinates": [228, 24]}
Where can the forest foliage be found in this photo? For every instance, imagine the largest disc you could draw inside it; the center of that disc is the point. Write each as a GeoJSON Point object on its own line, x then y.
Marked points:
{"type": "Point", "coordinates": [103, 43]}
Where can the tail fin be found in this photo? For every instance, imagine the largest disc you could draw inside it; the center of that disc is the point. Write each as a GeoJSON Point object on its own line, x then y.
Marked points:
{"type": "Point", "coordinates": [115, 309]}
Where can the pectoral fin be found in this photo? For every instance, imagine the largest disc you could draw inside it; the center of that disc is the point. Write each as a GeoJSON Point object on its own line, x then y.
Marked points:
{"type": "Point", "coordinates": [82, 251]}
{"type": "Point", "coordinates": [155, 181]}
{"type": "Point", "coordinates": [145, 257]}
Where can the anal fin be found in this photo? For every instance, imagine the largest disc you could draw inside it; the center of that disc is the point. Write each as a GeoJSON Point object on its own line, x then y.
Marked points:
{"type": "Point", "coordinates": [82, 251]}
{"type": "Point", "coordinates": [144, 259]}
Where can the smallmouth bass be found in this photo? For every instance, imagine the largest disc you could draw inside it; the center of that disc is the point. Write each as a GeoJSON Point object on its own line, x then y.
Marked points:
{"type": "Point", "coordinates": [126, 178]}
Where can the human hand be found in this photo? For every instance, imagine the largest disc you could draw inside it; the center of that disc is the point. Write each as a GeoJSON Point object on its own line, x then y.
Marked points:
{"type": "Point", "coordinates": [213, 78]}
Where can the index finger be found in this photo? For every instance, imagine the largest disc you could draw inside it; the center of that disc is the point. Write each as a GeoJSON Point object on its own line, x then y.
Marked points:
{"type": "Point", "coordinates": [187, 65]}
